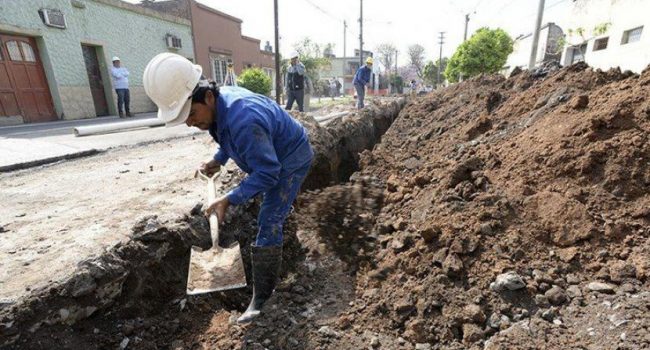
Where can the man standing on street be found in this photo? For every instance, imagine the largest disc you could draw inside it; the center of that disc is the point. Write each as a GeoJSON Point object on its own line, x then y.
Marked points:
{"type": "Point", "coordinates": [253, 131]}
{"type": "Point", "coordinates": [121, 83]}
{"type": "Point", "coordinates": [361, 79]}
{"type": "Point", "coordinates": [295, 83]}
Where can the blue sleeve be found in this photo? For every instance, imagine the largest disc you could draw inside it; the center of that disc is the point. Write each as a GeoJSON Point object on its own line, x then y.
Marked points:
{"type": "Point", "coordinates": [221, 157]}
{"type": "Point", "coordinates": [252, 138]}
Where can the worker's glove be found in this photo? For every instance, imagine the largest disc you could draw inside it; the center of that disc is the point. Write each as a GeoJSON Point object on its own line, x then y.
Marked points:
{"type": "Point", "coordinates": [209, 168]}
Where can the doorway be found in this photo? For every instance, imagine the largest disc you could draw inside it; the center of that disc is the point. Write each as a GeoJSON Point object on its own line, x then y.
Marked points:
{"type": "Point", "coordinates": [95, 80]}
{"type": "Point", "coordinates": [23, 87]}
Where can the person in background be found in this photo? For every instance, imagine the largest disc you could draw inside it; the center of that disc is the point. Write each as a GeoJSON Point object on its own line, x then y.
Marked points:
{"type": "Point", "coordinates": [309, 90]}
{"type": "Point", "coordinates": [333, 88]}
{"type": "Point", "coordinates": [121, 84]}
{"type": "Point", "coordinates": [361, 80]}
{"type": "Point", "coordinates": [295, 83]}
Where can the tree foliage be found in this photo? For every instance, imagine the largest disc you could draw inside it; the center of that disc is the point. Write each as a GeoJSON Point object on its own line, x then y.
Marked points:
{"type": "Point", "coordinates": [430, 71]}
{"type": "Point", "coordinates": [397, 82]}
{"type": "Point", "coordinates": [485, 52]}
{"type": "Point", "coordinates": [255, 80]}
{"type": "Point", "coordinates": [386, 53]}
{"type": "Point", "coordinates": [416, 58]}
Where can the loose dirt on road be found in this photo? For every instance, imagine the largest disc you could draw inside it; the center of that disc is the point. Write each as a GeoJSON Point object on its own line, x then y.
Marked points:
{"type": "Point", "coordinates": [55, 214]}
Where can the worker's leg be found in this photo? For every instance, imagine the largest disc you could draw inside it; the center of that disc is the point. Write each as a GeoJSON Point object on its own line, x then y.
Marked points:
{"type": "Point", "coordinates": [266, 253]}
{"type": "Point", "coordinates": [360, 95]}
{"type": "Point", "coordinates": [127, 102]}
{"type": "Point", "coordinates": [300, 98]}
{"type": "Point", "coordinates": [290, 98]}
{"type": "Point", "coordinates": [120, 101]}
{"type": "Point", "coordinates": [276, 206]}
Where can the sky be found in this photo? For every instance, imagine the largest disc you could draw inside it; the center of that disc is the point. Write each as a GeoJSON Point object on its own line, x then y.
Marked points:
{"type": "Point", "coordinates": [400, 22]}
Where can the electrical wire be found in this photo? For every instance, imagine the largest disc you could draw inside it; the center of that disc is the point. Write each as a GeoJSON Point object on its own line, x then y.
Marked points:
{"type": "Point", "coordinates": [323, 11]}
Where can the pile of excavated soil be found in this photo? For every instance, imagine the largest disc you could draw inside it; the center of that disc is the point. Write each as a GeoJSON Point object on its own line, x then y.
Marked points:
{"type": "Point", "coordinates": [543, 180]}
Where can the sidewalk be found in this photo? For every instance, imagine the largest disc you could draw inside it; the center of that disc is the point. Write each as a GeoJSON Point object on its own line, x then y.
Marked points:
{"type": "Point", "coordinates": [28, 145]}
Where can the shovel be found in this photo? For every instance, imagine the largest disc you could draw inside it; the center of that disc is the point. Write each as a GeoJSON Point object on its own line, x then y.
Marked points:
{"type": "Point", "coordinates": [217, 268]}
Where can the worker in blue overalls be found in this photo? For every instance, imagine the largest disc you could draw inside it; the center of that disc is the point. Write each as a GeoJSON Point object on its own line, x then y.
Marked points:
{"type": "Point", "coordinates": [253, 131]}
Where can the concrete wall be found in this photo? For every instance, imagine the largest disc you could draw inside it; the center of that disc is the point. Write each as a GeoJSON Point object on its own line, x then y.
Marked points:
{"type": "Point", "coordinates": [548, 50]}
{"type": "Point", "coordinates": [120, 29]}
{"type": "Point", "coordinates": [623, 15]}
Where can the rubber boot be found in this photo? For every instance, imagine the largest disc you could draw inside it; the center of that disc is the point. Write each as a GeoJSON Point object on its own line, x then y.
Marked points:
{"type": "Point", "coordinates": [266, 263]}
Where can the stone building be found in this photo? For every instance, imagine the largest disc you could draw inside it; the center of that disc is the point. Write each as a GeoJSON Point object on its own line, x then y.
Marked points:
{"type": "Point", "coordinates": [55, 56]}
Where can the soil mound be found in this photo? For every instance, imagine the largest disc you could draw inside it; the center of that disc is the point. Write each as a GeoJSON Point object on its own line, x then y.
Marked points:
{"type": "Point", "coordinates": [545, 179]}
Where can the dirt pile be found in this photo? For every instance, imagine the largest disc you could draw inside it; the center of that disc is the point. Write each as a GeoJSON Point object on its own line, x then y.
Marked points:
{"type": "Point", "coordinates": [547, 179]}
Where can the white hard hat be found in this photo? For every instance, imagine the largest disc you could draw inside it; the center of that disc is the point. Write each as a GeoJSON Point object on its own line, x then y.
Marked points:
{"type": "Point", "coordinates": [294, 54]}
{"type": "Point", "coordinates": [115, 58]}
{"type": "Point", "coordinates": [169, 80]}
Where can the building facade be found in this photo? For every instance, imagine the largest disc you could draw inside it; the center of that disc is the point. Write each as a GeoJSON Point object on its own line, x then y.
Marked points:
{"type": "Point", "coordinates": [344, 68]}
{"type": "Point", "coordinates": [549, 49]}
{"type": "Point", "coordinates": [218, 40]}
{"type": "Point", "coordinates": [609, 33]}
{"type": "Point", "coordinates": [55, 56]}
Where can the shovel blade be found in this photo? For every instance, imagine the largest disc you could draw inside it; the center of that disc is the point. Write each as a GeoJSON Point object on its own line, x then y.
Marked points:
{"type": "Point", "coordinates": [213, 270]}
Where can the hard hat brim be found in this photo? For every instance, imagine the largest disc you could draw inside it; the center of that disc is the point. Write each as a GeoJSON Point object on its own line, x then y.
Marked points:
{"type": "Point", "coordinates": [181, 114]}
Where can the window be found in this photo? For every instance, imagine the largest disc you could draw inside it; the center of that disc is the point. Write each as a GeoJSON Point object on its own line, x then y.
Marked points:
{"type": "Point", "coordinates": [632, 35]}
{"type": "Point", "coordinates": [600, 44]}
{"type": "Point", "coordinates": [219, 69]}
{"type": "Point", "coordinates": [14, 51]}
{"type": "Point", "coordinates": [28, 53]}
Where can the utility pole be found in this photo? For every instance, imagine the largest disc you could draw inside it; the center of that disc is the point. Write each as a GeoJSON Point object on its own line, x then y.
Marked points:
{"type": "Point", "coordinates": [396, 53]}
{"type": "Point", "coordinates": [278, 78]}
{"type": "Point", "coordinates": [360, 33]}
{"type": "Point", "coordinates": [442, 41]}
{"type": "Point", "coordinates": [466, 23]}
{"type": "Point", "coordinates": [345, 37]}
{"type": "Point", "coordinates": [538, 24]}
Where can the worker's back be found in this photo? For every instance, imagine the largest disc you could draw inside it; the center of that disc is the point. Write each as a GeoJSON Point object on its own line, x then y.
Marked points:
{"type": "Point", "coordinates": [238, 110]}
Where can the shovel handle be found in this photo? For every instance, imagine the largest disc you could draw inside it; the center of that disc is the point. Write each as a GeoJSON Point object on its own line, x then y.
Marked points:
{"type": "Point", "coordinates": [213, 219]}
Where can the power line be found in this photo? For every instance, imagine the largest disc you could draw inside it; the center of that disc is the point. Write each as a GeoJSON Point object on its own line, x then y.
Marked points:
{"type": "Point", "coordinates": [323, 11]}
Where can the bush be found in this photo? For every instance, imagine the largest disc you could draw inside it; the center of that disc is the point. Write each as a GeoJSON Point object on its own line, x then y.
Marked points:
{"type": "Point", "coordinates": [322, 88]}
{"type": "Point", "coordinates": [255, 80]}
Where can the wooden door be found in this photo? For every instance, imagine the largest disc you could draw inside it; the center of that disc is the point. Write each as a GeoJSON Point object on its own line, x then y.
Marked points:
{"type": "Point", "coordinates": [95, 80]}
{"type": "Point", "coordinates": [23, 86]}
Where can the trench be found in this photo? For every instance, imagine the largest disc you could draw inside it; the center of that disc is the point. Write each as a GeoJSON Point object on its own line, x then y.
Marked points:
{"type": "Point", "coordinates": [136, 284]}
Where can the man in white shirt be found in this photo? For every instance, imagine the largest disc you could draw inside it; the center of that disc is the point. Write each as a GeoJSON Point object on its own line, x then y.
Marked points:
{"type": "Point", "coordinates": [121, 83]}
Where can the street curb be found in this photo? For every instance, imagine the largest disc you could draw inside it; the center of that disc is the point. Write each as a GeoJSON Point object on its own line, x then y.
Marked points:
{"type": "Point", "coordinates": [34, 163]}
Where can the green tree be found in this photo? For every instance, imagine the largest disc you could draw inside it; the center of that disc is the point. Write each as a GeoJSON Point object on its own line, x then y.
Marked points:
{"type": "Point", "coordinates": [255, 80]}
{"type": "Point", "coordinates": [430, 71]}
{"type": "Point", "coordinates": [485, 52]}
{"type": "Point", "coordinates": [398, 83]}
